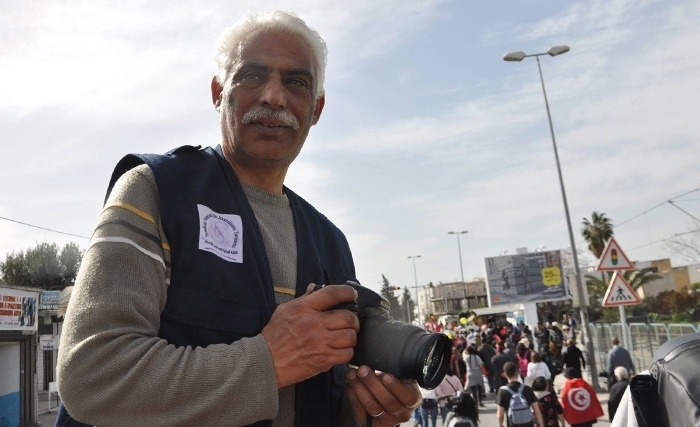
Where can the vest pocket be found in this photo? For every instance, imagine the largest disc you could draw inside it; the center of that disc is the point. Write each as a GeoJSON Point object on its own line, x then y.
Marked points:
{"type": "Point", "coordinates": [196, 318]}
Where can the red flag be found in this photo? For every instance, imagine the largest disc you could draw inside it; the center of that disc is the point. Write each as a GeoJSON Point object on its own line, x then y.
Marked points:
{"type": "Point", "coordinates": [579, 401]}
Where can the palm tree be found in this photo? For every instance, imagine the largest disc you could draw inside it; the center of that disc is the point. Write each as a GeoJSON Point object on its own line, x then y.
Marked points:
{"type": "Point", "coordinates": [639, 278]}
{"type": "Point", "coordinates": [597, 232]}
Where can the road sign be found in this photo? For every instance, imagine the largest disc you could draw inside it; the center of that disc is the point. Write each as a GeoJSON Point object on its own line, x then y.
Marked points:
{"type": "Point", "coordinates": [620, 293]}
{"type": "Point", "coordinates": [613, 258]}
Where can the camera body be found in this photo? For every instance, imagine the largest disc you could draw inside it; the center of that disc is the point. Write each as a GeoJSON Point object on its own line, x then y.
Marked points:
{"type": "Point", "coordinates": [405, 351]}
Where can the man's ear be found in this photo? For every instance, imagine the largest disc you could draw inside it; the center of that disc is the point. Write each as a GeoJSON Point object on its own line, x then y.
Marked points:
{"type": "Point", "coordinates": [320, 102]}
{"type": "Point", "coordinates": [216, 90]}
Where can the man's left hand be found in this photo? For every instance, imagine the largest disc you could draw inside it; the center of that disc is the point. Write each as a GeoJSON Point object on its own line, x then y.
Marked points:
{"type": "Point", "coordinates": [388, 399]}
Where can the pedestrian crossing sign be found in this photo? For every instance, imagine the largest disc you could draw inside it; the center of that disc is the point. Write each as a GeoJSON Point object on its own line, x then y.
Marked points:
{"type": "Point", "coordinates": [620, 293]}
{"type": "Point", "coordinates": [613, 258]}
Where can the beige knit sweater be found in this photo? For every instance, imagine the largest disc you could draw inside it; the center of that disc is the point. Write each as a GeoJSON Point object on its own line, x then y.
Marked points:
{"type": "Point", "coordinates": [113, 370]}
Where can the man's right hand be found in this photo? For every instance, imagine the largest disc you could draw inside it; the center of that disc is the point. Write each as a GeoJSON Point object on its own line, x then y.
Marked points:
{"type": "Point", "coordinates": [306, 339]}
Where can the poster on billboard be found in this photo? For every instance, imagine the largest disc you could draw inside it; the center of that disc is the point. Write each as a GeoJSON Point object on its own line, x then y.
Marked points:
{"type": "Point", "coordinates": [18, 309]}
{"type": "Point", "coordinates": [529, 277]}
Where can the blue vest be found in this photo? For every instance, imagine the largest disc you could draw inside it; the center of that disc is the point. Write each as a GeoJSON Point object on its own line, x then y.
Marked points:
{"type": "Point", "coordinates": [214, 301]}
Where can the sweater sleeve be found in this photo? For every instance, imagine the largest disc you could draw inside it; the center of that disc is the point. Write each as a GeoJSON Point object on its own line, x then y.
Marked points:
{"type": "Point", "coordinates": [113, 369]}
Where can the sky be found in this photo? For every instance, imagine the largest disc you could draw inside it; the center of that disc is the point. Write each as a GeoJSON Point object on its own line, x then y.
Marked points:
{"type": "Point", "coordinates": [425, 130]}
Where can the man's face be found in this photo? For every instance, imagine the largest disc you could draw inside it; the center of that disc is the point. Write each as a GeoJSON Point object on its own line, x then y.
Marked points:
{"type": "Point", "coordinates": [268, 102]}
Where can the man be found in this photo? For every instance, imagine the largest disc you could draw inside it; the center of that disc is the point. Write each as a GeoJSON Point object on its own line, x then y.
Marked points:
{"type": "Point", "coordinates": [488, 352]}
{"type": "Point", "coordinates": [192, 305]}
{"type": "Point", "coordinates": [573, 356]}
{"type": "Point", "coordinates": [498, 363]}
{"type": "Point", "coordinates": [618, 356]}
{"type": "Point", "coordinates": [617, 390]}
{"type": "Point", "coordinates": [503, 398]}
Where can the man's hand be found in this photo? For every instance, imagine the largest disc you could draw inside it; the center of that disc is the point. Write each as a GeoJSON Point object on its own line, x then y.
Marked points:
{"type": "Point", "coordinates": [391, 401]}
{"type": "Point", "coordinates": [305, 339]}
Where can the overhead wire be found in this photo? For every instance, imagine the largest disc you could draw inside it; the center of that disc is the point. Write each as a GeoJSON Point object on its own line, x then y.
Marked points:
{"type": "Point", "coordinates": [44, 228]}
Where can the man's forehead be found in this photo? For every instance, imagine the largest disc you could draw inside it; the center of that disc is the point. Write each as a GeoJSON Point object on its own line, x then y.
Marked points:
{"type": "Point", "coordinates": [262, 47]}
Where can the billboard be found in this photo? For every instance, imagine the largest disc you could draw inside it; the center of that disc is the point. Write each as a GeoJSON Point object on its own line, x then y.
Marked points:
{"type": "Point", "coordinates": [529, 277]}
{"type": "Point", "coordinates": [18, 309]}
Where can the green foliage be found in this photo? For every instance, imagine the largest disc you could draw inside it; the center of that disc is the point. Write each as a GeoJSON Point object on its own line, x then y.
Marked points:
{"type": "Point", "coordinates": [387, 292]}
{"type": "Point", "coordinates": [42, 266]}
{"type": "Point", "coordinates": [407, 301]}
{"type": "Point", "coordinates": [597, 232]}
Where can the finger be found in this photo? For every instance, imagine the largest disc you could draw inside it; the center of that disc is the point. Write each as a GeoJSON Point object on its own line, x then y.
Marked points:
{"type": "Point", "coordinates": [355, 403]}
{"type": "Point", "coordinates": [344, 338]}
{"type": "Point", "coordinates": [366, 403]}
{"type": "Point", "coordinates": [310, 288]}
{"type": "Point", "coordinates": [341, 319]}
{"type": "Point", "coordinates": [330, 296]}
{"type": "Point", "coordinates": [380, 392]}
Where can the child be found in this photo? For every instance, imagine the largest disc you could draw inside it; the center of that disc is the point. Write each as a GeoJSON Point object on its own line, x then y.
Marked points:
{"type": "Point", "coordinates": [548, 402]}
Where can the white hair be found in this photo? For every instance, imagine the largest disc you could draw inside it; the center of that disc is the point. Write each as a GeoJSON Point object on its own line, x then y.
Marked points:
{"type": "Point", "coordinates": [621, 372]}
{"type": "Point", "coordinates": [230, 44]}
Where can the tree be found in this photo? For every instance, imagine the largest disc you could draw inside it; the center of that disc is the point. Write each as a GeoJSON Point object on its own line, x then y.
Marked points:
{"type": "Point", "coordinates": [597, 232]}
{"type": "Point", "coordinates": [387, 292]}
{"type": "Point", "coordinates": [407, 301]}
{"type": "Point", "coordinates": [42, 266]}
{"type": "Point", "coordinates": [639, 278]}
{"type": "Point", "coordinates": [686, 245]}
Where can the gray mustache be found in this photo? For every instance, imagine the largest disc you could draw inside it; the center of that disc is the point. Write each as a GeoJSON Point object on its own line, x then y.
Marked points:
{"type": "Point", "coordinates": [283, 116]}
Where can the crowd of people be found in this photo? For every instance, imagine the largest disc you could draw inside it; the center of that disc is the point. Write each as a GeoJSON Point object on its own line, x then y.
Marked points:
{"type": "Point", "coordinates": [507, 356]}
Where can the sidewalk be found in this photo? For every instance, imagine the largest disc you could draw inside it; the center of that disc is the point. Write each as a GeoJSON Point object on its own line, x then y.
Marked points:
{"type": "Point", "coordinates": [46, 418]}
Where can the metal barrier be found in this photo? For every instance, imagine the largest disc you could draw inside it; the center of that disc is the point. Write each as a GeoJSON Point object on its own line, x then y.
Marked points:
{"type": "Point", "coordinates": [645, 339]}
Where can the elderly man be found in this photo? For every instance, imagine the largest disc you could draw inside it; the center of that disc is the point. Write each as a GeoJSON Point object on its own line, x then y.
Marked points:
{"type": "Point", "coordinates": [192, 305]}
{"type": "Point", "coordinates": [617, 390]}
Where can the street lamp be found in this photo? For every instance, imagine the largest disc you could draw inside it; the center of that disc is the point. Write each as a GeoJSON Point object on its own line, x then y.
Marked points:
{"type": "Point", "coordinates": [415, 278]}
{"type": "Point", "coordinates": [554, 51]}
{"type": "Point", "coordinates": [459, 247]}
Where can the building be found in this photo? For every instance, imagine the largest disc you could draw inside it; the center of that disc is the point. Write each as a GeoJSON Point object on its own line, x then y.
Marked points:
{"type": "Point", "coordinates": [679, 279]}
{"type": "Point", "coordinates": [18, 349]}
{"type": "Point", "coordinates": [449, 299]}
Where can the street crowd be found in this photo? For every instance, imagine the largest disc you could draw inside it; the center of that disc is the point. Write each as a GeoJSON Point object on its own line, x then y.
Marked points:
{"type": "Point", "coordinates": [519, 366]}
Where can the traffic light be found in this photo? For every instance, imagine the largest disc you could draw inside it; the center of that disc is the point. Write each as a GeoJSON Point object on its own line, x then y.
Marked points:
{"type": "Point", "coordinates": [396, 288]}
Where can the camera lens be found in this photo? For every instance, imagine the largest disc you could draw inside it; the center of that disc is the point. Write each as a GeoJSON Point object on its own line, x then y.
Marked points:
{"type": "Point", "coordinates": [405, 351]}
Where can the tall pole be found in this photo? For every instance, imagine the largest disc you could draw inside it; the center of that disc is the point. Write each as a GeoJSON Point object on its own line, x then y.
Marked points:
{"type": "Point", "coordinates": [459, 248]}
{"type": "Point", "coordinates": [415, 278]}
{"type": "Point", "coordinates": [579, 281]}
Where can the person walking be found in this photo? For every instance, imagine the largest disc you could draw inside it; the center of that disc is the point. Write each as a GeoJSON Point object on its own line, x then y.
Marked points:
{"type": "Point", "coordinates": [573, 357]}
{"type": "Point", "coordinates": [498, 362]}
{"type": "Point", "coordinates": [537, 368]}
{"type": "Point", "coordinates": [488, 352]}
{"type": "Point", "coordinates": [579, 401]}
{"type": "Point", "coordinates": [516, 391]}
{"type": "Point", "coordinates": [475, 374]}
{"type": "Point", "coordinates": [450, 386]}
{"type": "Point", "coordinates": [618, 356]}
{"type": "Point", "coordinates": [552, 412]}
{"type": "Point", "coordinates": [429, 407]}
{"type": "Point", "coordinates": [617, 390]}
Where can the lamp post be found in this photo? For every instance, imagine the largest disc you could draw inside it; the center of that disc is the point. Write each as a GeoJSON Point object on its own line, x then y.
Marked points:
{"type": "Point", "coordinates": [459, 248]}
{"type": "Point", "coordinates": [415, 278]}
{"type": "Point", "coordinates": [554, 51]}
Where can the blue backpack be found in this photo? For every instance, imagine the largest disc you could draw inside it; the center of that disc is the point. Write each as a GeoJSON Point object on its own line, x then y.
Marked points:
{"type": "Point", "coordinates": [518, 410]}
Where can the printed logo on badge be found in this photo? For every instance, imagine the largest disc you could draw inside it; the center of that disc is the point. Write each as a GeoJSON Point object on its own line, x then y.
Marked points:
{"type": "Point", "coordinates": [221, 234]}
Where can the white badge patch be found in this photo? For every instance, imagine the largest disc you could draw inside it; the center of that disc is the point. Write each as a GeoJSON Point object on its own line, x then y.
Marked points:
{"type": "Point", "coordinates": [221, 234]}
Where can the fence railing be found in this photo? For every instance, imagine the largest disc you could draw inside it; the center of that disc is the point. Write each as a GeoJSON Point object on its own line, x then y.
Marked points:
{"type": "Point", "coordinates": [645, 339]}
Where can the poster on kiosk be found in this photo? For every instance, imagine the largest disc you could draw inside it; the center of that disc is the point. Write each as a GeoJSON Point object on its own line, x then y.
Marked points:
{"type": "Point", "coordinates": [525, 278]}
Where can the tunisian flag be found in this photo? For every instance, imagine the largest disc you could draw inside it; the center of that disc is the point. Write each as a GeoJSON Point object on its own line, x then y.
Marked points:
{"type": "Point", "coordinates": [579, 402]}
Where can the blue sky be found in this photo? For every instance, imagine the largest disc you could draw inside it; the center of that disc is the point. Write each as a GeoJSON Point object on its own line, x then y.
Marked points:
{"type": "Point", "coordinates": [425, 129]}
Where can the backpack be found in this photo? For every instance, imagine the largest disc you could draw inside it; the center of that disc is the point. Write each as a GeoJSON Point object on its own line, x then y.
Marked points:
{"type": "Point", "coordinates": [523, 362]}
{"type": "Point", "coordinates": [518, 410]}
{"type": "Point", "coordinates": [557, 337]}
